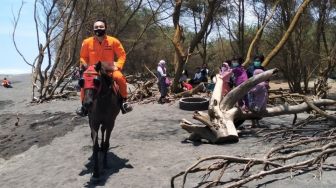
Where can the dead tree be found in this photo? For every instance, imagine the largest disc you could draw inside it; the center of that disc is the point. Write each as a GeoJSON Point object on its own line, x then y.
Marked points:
{"type": "Point", "coordinates": [219, 124]}
{"type": "Point", "coordinates": [57, 43]}
{"type": "Point", "coordinates": [312, 156]}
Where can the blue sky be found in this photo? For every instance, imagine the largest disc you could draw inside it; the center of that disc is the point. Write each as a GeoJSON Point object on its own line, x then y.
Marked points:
{"type": "Point", "coordinates": [12, 63]}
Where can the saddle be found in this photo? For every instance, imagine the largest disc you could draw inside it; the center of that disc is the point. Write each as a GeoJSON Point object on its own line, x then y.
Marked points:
{"type": "Point", "coordinates": [91, 80]}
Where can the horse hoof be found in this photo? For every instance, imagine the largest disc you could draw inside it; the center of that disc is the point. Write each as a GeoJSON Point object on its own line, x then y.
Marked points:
{"type": "Point", "coordinates": [106, 166]}
{"type": "Point", "coordinates": [94, 178]}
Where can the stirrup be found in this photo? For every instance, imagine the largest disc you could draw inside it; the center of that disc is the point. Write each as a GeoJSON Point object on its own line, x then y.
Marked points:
{"type": "Point", "coordinates": [125, 107]}
{"type": "Point", "coordinates": [81, 111]}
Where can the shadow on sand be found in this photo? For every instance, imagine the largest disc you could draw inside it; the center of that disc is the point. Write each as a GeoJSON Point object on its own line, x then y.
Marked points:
{"type": "Point", "coordinates": [114, 164]}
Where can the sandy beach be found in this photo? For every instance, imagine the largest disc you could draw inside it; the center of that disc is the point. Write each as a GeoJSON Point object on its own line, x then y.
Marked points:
{"type": "Point", "coordinates": [51, 147]}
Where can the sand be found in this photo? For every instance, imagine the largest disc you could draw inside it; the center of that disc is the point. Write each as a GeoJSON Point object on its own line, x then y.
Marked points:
{"type": "Point", "coordinates": [50, 147]}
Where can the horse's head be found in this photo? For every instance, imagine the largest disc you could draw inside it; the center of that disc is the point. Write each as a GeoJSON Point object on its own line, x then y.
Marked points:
{"type": "Point", "coordinates": [90, 83]}
{"type": "Point", "coordinates": [95, 82]}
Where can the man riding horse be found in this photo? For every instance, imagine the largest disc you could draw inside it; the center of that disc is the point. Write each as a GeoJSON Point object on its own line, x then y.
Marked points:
{"type": "Point", "coordinates": [103, 48]}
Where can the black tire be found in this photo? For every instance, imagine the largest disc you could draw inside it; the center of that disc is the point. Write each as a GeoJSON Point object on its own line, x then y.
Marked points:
{"type": "Point", "coordinates": [238, 122]}
{"type": "Point", "coordinates": [194, 103]}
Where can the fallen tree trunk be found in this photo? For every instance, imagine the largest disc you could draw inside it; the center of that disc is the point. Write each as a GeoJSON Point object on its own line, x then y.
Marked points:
{"type": "Point", "coordinates": [218, 125]}
{"type": "Point", "coordinates": [195, 90]}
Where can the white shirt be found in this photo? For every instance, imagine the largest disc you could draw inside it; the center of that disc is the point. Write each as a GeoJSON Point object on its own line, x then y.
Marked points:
{"type": "Point", "coordinates": [159, 69]}
{"type": "Point", "coordinates": [197, 75]}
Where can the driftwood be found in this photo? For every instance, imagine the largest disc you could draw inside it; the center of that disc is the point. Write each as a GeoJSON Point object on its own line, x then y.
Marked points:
{"type": "Point", "coordinates": [300, 148]}
{"type": "Point", "coordinates": [142, 91]}
{"type": "Point", "coordinates": [151, 73]}
{"type": "Point", "coordinates": [200, 87]}
{"type": "Point", "coordinates": [301, 154]}
{"type": "Point", "coordinates": [312, 163]}
{"type": "Point", "coordinates": [218, 125]}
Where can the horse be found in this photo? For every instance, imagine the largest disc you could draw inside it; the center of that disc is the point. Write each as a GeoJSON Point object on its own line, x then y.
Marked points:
{"type": "Point", "coordinates": [102, 104]}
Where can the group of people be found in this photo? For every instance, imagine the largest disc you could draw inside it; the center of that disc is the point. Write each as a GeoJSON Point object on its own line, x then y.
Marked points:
{"type": "Point", "coordinates": [233, 74]}
{"type": "Point", "coordinates": [201, 75]}
{"type": "Point", "coordinates": [6, 83]}
{"type": "Point", "coordinates": [105, 49]}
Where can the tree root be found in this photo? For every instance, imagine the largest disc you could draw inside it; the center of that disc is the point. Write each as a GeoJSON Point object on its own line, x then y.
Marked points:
{"type": "Point", "coordinates": [295, 154]}
{"type": "Point", "coordinates": [274, 162]}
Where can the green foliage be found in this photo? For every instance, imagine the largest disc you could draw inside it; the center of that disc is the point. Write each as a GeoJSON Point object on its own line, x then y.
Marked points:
{"type": "Point", "coordinates": [127, 19]}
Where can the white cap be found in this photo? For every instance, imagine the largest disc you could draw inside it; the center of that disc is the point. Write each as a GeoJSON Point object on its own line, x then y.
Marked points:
{"type": "Point", "coordinates": [162, 62]}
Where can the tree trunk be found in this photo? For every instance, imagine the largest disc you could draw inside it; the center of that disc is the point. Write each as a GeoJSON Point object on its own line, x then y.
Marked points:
{"type": "Point", "coordinates": [285, 37]}
{"type": "Point", "coordinates": [180, 54]}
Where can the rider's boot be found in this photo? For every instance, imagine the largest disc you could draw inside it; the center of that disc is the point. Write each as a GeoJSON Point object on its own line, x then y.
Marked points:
{"type": "Point", "coordinates": [82, 111]}
{"type": "Point", "coordinates": [125, 107]}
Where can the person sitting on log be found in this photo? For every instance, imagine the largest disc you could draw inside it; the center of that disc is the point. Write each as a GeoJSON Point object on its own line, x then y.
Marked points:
{"type": "Point", "coordinates": [258, 97]}
{"type": "Point", "coordinates": [197, 78]}
{"type": "Point", "coordinates": [183, 81]}
{"type": "Point", "coordinates": [184, 76]}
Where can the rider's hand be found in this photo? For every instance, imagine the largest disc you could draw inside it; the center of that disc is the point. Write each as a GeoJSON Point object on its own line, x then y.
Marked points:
{"type": "Point", "coordinates": [115, 68]}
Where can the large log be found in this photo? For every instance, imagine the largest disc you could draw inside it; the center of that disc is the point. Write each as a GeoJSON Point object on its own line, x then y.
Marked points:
{"type": "Point", "coordinates": [200, 87]}
{"type": "Point", "coordinates": [222, 122]}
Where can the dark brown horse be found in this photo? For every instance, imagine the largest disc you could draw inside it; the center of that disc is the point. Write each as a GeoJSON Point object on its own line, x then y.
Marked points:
{"type": "Point", "coordinates": [103, 107]}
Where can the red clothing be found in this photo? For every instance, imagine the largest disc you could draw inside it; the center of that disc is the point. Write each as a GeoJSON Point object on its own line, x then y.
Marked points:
{"type": "Point", "coordinates": [187, 86]}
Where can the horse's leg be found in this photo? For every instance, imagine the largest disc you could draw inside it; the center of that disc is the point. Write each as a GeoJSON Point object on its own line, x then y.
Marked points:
{"type": "Point", "coordinates": [94, 133]}
{"type": "Point", "coordinates": [107, 144]}
{"type": "Point", "coordinates": [102, 129]}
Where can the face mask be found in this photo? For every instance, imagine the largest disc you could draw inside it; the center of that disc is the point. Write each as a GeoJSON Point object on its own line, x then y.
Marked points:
{"type": "Point", "coordinates": [235, 64]}
{"type": "Point", "coordinates": [257, 63]}
{"type": "Point", "coordinates": [99, 32]}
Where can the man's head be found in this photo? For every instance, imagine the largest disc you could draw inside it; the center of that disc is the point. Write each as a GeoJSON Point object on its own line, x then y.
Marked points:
{"type": "Point", "coordinates": [99, 27]}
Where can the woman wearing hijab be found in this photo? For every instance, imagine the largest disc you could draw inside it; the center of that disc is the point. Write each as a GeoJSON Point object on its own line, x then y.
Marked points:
{"type": "Point", "coordinates": [162, 75]}
{"type": "Point", "coordinates": [225, 74]}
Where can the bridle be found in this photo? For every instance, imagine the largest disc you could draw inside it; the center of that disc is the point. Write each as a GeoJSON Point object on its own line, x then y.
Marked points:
{"type": "Point", "coordinates": [92, 80]}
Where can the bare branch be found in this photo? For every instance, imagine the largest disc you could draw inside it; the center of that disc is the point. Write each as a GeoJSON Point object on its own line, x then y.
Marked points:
{"type": "Point", "coordinates": [16, 21]}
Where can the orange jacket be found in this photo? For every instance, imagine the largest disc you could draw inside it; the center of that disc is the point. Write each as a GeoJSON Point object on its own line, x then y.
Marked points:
{"type": "Point", "coordinates": [92, 51]}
